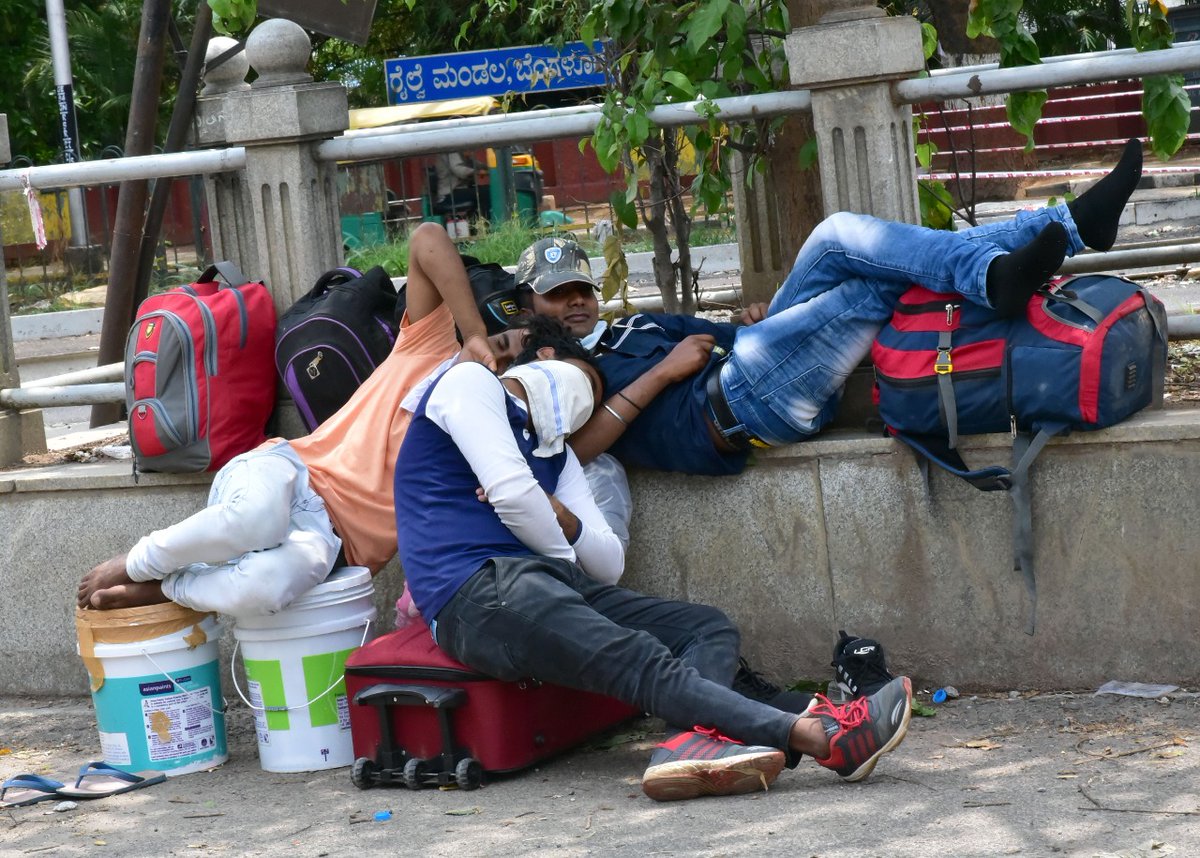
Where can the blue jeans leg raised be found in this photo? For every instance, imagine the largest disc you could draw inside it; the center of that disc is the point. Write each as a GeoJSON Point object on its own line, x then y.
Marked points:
{"type": "Point", "coordinates": [785, 375]}
{"type": "Point", "coordinates": [544, 618]}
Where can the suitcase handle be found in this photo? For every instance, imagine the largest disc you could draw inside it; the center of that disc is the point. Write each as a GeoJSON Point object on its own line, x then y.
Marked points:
{"type": "Point", "coordinates": [412, 695]}
{"type": "Point", "coordinates": [305, 704]}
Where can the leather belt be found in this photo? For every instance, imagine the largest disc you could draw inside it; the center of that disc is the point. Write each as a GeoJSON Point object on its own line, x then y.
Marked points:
{"type": "Point", "coordinates": [722, 417]}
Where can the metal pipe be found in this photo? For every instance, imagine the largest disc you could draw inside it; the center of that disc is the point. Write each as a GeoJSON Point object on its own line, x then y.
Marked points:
{"type": "Point", "coordinates": [710, 299]}
{"type": "Point", "coordinates": [1069, 71]}
{"type": "Point", "coordinates": [201, 162]}
{"type": "Point", "coordinates": [1142, 257]}
{"type": "Point", "coordinates": [53, 397]}
{"type": "Point", "coordinates": [470, 121]}
{"type": "Point", "coordinates": [534, 128]}
{"type": "Point", "coordinates": [108, 372]}
{"type": "Point", "coordinates": [1092, 55]}
{"type": "Point", "coordinates": [1183, 327]}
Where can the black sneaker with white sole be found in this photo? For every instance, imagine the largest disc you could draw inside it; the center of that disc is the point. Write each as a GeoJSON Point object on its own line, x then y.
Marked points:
{"type": "Point", "coordinates": [859, 666]}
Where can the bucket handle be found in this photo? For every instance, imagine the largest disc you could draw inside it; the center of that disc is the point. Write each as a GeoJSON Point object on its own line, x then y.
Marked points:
{"type": "Point", "coordinates": [224, 703]}
{"type": "Point", "coordinates": [306, 704]}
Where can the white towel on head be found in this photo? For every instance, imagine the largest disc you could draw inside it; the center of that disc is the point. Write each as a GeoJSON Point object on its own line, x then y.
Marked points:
{"type": "Point", "coordinates": [560, 401]}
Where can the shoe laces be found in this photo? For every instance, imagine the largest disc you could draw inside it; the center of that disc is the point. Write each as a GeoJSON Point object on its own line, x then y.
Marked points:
{"type": "Point", "coordinates": [848, 715]}
{"type": "Point", "coordinates": [712, 733]}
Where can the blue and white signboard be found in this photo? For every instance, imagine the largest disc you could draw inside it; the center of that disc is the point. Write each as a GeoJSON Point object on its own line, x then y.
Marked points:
{"type": "Point", "coordinates": [496, 72]}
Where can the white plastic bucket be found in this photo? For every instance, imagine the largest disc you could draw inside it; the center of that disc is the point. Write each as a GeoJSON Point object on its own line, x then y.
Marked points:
{"type": "Point", "coordinates": [158, 699]}
{"type": "Point", "coordinates": [295, 664]}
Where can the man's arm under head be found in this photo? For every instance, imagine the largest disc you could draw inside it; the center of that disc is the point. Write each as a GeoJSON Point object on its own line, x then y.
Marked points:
{"type": "Point", "coordinates": [436, 275]}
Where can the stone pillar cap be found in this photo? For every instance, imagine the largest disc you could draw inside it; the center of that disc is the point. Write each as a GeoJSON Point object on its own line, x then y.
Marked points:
{"type": "Point", "coordinates": [229, 76]}
{"type": "Point", "coordinates": [279, 51]}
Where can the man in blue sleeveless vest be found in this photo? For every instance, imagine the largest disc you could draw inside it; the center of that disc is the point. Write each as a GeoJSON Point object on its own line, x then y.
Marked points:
{"type": "Point", "coordinates": [687, 394]}
{"type": "Point", "coordinates": [506, 554]}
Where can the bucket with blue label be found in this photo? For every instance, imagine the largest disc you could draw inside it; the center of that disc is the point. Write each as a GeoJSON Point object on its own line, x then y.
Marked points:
{"type": "Point", "coordinates": [155, 686]}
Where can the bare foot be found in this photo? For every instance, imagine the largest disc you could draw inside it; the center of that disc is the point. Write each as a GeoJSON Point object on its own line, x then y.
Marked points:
{"type": "Point", "coordinates": [132, 595]}
{"type": "Point", "coordinates": [110, 573]}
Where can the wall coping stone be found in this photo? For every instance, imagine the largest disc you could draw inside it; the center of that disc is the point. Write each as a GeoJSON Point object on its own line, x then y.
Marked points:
{"type": "Point", "coordinates": [1167, 424]}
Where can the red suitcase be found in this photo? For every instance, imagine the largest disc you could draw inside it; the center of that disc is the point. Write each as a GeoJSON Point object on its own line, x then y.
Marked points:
{"type": "Point", "coordinates": [420, 718]}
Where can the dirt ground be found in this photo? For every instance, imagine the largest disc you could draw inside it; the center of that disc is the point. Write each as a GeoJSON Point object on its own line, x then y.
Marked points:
{"type": "Point", "coordinates": [1031, 774]}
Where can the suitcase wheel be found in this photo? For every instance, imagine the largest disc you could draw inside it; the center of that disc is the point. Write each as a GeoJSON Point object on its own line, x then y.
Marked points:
{"type": "Point", "coordinates": [414, 773]}
{"type": "Point", "coordinates": [468, 774]}
{"type": "Point", "coordinates": [364, 773]}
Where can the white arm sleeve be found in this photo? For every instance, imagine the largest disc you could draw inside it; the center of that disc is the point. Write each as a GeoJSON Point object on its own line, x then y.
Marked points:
{"type": "Point", "coordinates": [469, 405]}
{"type": "Point", "coordinates": [610, 488]}
{"type": "Point", "coordinates": [600, 552]}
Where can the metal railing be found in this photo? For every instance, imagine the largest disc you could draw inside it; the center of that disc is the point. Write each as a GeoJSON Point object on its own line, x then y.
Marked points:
{"type": "Point", "coordinates": [524, 128]}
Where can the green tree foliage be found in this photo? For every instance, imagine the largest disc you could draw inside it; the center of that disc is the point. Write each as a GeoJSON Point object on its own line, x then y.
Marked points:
{"type": "Point", "coordinates": [102, 36]}
{"type": "Point", "coordinates": [663, 53]}
{"type": "Point", "coordinates": [1164, 104]}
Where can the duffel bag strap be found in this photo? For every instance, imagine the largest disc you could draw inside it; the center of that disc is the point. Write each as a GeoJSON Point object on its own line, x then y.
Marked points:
{"type": "Point", "coordinates": [943, 367]}
{"type": "Point", "coordinates": [1068, 296]}
{"type": "Point", "coordinates": [1158, 368]}
{"type": "Point", "coordinates": [1025, 449]}
{"type": "Point", "coordinates": [938, 451]}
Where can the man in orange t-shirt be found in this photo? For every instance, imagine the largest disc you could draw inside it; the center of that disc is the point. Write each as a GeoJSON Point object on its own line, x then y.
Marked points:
{"type": "Point", "coordinates": [278, 515]}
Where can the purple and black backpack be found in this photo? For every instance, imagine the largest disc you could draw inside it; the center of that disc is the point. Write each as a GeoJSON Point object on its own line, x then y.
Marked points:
{"type": "Point", "coordinates": [329, 341]}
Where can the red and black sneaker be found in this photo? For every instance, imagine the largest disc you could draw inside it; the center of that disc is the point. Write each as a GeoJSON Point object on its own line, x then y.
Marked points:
{"type": "Point", "coordinates": [703, 762]}
{"type": "Point", "coordinates": [863, 730]}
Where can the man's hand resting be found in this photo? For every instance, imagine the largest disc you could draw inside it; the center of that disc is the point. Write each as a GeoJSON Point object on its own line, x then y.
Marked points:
{"type": "Point", "coordinates": [753, 313]}
{"type": "Point", "coordinates": [477, 349]}
{"type": "Point", "coordinates": [689, 356]}
{"type": "Point", "coordinates": [566, 519]}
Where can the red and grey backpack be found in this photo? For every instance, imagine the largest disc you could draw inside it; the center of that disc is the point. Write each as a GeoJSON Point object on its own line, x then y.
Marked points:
{"type": "Point", "coordinates": [199, 381]}
{"type": "Point", "coordinates": [1088, 352]}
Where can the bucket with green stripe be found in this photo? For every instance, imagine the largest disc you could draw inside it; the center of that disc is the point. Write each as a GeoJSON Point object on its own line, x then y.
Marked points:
{"type": "Point", "coordinates": [295, 664]}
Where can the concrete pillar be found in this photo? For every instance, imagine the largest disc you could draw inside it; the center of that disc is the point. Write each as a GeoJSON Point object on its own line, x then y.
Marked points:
{"type": "Point", "coordinates": [864, 138]}
{"type": "Point", "coordinates": [279, 218]}
{"type": "Point", "coordinates": [21, 432]}
{"type": "Point", "coordinates": [760, 242]}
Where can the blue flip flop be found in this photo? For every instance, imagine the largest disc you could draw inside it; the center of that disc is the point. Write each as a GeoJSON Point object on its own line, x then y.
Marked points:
{"type": "Point", "coordinates": [99, 779]}
{"type": "Point", "coordinates": [22, 790]}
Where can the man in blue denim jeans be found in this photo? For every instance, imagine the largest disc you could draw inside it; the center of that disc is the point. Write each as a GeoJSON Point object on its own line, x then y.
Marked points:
{"type": "Point", "coordinates": [686, 394]}
{"type": "Point", "coordinates": [504, 550]}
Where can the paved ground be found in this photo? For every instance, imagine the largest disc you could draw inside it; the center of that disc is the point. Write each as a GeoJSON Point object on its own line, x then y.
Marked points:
{"type": "Point", "coordinates": [1038, 775]}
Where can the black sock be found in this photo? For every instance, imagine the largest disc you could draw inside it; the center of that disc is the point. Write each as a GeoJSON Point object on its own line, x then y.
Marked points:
{"type": "Point", "coordinates": [1014, 277]}
{"type": "Point", "coordinates": [1097, 210]}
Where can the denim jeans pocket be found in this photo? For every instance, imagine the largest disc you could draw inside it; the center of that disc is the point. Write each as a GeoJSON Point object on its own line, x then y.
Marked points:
{"type": "Point", "coordinates": [804, 402]}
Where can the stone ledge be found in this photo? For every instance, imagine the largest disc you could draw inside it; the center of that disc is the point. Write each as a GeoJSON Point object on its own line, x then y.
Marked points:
{"type": "Point", "coordinates": [84, 476]}
{"type": "Point", "coordinates": [1168, 424]}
